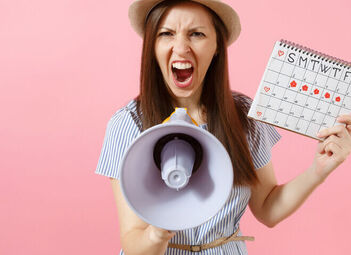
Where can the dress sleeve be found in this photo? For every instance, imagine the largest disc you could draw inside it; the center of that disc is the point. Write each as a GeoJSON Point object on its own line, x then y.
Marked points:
{"type": "Point", "coordinates": [261, 136]}
{"type": "Point", "coordinates": [261, 143]}
{"type": "Point", "coordinates": [120, 132]}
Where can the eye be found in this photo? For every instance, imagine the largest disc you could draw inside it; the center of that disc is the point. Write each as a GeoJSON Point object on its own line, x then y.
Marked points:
{"type": "Point", "coordinates": [198, 34]}
{"type": "Point", "coordinates": [165, 34]}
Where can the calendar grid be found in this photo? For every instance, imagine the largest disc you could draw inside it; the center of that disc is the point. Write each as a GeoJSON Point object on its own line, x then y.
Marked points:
{"type": "Point", "coordinates": [289, 76]}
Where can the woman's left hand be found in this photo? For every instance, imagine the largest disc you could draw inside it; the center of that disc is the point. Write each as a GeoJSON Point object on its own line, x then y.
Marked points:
{"type": "Point", "coordinates": [335, 148]}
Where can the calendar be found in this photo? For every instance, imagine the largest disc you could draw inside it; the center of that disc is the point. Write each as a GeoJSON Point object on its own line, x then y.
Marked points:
{"type": "Point", "coordinates": [302, 90]}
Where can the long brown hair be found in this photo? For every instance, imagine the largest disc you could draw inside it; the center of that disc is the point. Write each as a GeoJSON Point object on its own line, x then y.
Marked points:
{"type": "Point", "coordinates": [225, 110]}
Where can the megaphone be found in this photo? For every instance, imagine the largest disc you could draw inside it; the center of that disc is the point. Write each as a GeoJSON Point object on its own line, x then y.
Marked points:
{"type": "Point", "coordinates": [176, 175]}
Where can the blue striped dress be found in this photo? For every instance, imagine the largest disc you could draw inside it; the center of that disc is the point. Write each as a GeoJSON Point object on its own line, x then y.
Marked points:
{"type": "Point", "coordinates": [124, 127]}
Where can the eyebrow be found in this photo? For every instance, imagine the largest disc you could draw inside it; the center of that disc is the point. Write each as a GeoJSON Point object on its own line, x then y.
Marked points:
{"type": "Point", "coordinates": [192, 29]}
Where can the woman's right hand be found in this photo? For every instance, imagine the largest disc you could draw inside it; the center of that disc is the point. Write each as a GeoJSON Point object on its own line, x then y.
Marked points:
{"type": "Point", "coordinates": [138, 237]}
{"type": "Point", "coordinates": [159, 235]}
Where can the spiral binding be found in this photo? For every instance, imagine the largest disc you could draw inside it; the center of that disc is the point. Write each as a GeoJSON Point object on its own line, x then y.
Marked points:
{"type": "Point", "coordinates": [314, 53]}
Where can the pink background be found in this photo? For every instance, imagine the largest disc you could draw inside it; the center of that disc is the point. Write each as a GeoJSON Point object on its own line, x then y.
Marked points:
{"type": "Point", "coordinates": [66, 66]}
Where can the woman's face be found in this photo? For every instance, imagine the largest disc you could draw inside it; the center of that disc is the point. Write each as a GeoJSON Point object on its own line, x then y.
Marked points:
{"type": "Point", "coordinates": [184, 48]}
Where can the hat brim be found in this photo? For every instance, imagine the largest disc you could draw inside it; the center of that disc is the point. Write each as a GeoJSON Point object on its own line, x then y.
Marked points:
{"type": "Point", "coordinates": [139, 10]}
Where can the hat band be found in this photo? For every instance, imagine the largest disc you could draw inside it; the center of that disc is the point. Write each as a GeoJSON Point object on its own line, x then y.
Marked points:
{"type": "Point", "coordinates": [151, 9]}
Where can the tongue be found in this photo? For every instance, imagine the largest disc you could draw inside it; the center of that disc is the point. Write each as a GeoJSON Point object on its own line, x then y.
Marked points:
{"type": "Point", "coordinates": [183, 74]}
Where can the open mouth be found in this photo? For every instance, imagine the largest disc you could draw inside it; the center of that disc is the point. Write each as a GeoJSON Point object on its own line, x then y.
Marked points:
{"type": "Point", "coordinates": [182, 73]}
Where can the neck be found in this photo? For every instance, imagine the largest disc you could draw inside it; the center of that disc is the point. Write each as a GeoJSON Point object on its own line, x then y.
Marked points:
{"type": "Point", "coordinates": [191, 102]}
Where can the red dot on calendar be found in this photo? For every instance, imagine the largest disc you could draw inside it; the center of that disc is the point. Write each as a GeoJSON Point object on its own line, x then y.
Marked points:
{"type": "Point", "coordinates": [280, 53]}
{"type": "Point", "coordinates": [267, 88]}
{"type": "Point", "coordinates": [259, 114]}
{"type": "Point", "coordinates": [316, 91]}
{"type": "Point", "coordinates": [293, 84]}
{"type": "Point", "coordinates": [304, 87]}
{"type": "Point", "coordinates": [337, 99]}
{"type": "Point", "coordinates": [327, 95]}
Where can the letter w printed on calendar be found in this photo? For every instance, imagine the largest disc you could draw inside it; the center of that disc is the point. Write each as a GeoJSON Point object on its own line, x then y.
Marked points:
{"type": "Point", "coordinates": [302, 90]}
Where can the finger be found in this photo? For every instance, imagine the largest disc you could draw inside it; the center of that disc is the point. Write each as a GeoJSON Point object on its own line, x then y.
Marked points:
{"type": "Point", "coordinates": [343, 144]}
{"type": "Point", "coordinates": [157, 234]}
{"type": "Point", "coordinates": [338, 130]}
{"type": "Point", "coordinates": [330, 139]}
{"type": "Point", "coordinates": [320, 147]}
{"type": "Point", "coordinates": [345, 118]}
{"type": "Point", "coordinates": [344, 141]}
{"type": "Point", "coordinates": [172, 234]}
{"type": "Point", "coordinates": [334, 150]}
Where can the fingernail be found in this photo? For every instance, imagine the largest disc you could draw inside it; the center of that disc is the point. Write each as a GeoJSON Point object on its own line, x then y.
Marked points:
{"type": "Point", "coordinates": [319, 134]}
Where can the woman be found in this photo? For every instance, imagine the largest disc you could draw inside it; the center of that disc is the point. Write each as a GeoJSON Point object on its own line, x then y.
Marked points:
{"type": "Point", "coordinates": [184, 64]}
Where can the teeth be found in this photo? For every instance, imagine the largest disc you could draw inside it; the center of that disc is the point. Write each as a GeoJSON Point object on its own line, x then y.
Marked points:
{"type": "Point", "coordinates": [180, 65]}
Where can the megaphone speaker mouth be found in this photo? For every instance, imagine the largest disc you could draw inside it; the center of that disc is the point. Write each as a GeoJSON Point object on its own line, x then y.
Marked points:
{"type": "Point", "coordinates": [177, 156]}
{"type": "Point", "coordinates": [175, 179]}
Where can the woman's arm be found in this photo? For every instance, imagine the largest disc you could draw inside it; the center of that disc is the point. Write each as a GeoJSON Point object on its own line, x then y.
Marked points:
{"type": "Point", "coordinates": [271, 203]}
{"type": "Point", "coordinates": [138, 237]}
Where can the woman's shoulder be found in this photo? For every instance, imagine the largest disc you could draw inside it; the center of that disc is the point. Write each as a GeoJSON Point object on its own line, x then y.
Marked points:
{"type": "Point", "coordinates": [121, 131]}
{"type": "Point", "coordinates": [126, 116]}
{"type": "Point", "coordinates": [261, 137]}
{"type": "Point", "coordinates": [242, 104]}
{"type": "Point", "coordinates": [242, 99]}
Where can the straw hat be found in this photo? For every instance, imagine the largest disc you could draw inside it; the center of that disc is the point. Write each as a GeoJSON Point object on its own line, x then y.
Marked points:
{"type": "Point", "coordinates": [139, 10]}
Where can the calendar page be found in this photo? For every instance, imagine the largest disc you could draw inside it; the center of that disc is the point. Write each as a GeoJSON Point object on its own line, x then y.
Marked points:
{"type": "Point", "coordinates": [302, 90]}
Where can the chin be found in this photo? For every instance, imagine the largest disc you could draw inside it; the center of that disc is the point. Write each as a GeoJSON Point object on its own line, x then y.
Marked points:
{"type": "Point", "coordinates": [181, 95]}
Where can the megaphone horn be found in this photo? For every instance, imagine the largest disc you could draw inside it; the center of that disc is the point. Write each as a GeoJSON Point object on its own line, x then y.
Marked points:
{"type": "Point", "coordinates": [176, 175]}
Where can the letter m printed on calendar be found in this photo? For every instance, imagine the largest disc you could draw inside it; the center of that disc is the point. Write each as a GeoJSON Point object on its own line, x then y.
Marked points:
{"type": "Point", "coordinates": [302, 90]}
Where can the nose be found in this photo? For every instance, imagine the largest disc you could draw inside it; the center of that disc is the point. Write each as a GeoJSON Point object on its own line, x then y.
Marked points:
{"type": "Point", "coordinates": [181, 46]}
